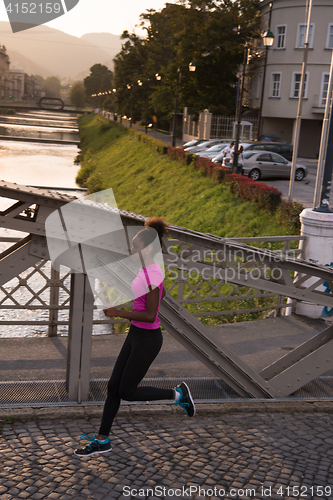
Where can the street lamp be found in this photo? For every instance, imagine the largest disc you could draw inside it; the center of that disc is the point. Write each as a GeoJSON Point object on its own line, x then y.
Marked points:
{"type": "Point", "coordinates": [192, 67]}
{"type": "Point", "coordinates": [268, 40]}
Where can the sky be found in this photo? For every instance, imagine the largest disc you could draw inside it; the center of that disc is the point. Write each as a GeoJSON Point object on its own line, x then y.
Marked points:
{"type": "Point", "coordinates": [98, 16]}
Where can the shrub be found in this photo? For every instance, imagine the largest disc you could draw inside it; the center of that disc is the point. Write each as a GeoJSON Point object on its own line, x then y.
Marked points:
{"type": "Point", "coordinates": [289, 211]}
{"type": "Point", "coordinates": [219, 174]}
{"type": "Point", "coordinates": [267, 197]}
{"type": "Point", "coordinates": [146, 139]}
{"type": "Point", "coordinates": [177, 154]}
{"type": "Point", "coordinates": [94, 183]}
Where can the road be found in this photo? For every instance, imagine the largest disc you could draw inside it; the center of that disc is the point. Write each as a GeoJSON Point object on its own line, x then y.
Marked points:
{"type": "Point", "coordinates": [303, 190]}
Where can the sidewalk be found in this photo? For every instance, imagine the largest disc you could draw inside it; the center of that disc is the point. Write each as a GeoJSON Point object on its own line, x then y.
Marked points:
{"type": "Point", "coordinates": [258, 449]}
{"type": "Point", "coordinates": [165, 454]}
{"type": "Point", "coordinates": [165, 138]}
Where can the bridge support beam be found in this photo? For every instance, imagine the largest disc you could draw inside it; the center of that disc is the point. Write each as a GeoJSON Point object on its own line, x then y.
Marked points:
{"type": "Point", "coordinates": [79, 338]}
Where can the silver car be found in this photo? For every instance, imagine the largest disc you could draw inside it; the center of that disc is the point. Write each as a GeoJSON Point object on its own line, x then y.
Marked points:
{"type": "Point", "coordinates": [207, 144]}
{"type": "Point", "coordinates": [212, 151]}
{"type": "Point", "coordinates": [260, 164]}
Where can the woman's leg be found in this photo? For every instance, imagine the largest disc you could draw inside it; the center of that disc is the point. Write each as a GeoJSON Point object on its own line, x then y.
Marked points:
{"type": "Point", "coordinates": [112, 403]}
{"type": "Point", "coordinates": [144, 349]}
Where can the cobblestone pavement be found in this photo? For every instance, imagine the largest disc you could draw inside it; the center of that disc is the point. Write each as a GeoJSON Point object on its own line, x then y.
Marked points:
{"type": "Point", "coordinates": [168, 455]}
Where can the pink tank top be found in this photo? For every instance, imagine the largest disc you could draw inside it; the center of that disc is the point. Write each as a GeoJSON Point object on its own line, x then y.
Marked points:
{"type": "Point", "coordinates": [150, 275]}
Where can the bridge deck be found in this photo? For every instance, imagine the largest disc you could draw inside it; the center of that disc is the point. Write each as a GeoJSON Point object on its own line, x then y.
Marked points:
{"type": "Point", "coordinates": [259, 343]}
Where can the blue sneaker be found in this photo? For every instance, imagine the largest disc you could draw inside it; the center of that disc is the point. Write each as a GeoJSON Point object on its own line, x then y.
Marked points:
{"type": "Point", "coordinates": [94, 447]}
{"type": "Point", "coordinates": [185, 401]}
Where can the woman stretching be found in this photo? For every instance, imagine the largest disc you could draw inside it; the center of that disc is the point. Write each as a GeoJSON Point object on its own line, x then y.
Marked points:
{"type": "Point", "coordinates": [142, 344]}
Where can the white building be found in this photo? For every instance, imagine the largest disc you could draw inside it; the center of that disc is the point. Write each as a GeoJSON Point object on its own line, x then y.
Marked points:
{"type": "Point", "coordinates": [283, 71]}
{"type": "Point", "coordinates": [4, 73]}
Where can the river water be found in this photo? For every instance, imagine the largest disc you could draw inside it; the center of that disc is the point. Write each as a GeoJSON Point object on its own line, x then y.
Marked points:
{"type": "Point", "coordinates": [44, 165]}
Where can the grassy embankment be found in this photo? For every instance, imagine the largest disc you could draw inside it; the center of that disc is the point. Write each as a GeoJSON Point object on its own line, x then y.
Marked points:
{"type": "Point", "coordinates": [151, 184]}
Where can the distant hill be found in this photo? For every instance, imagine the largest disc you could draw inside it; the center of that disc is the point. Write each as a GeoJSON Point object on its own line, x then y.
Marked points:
{"type": "Point", "coordinates": [47, 51]}
{"type": "Point", "coordinates": [106, 41]}
{"type": "Point", "coordinates": [18, 61]}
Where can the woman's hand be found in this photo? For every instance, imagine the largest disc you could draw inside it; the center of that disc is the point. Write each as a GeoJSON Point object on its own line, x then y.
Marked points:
{"type": "Point", "coordinates": [112, 312]}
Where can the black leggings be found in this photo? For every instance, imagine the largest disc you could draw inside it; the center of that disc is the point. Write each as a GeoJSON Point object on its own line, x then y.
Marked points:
{"type": "Point", "coordinates": [137, 354]}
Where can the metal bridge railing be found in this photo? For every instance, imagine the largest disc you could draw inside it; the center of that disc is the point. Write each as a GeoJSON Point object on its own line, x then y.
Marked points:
{"type": "Point", "coordinates": [40, 296]}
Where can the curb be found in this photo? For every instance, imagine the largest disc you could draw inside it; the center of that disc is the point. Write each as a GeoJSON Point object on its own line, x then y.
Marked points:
{"type": "Point", "coordinates": [202, 409]}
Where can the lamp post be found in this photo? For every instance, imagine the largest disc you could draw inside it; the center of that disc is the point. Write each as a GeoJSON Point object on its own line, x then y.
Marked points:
{"type": "Point", "coordinates": [130, 87]}
{"type": "Point", "coordinates": [268, 40]}
{"type": "Point", "coordinates": [239, 114]}
{"type": "Point", "coordinates": [192, 67]}
{"type": "Point", "coordinates": [140, 83]}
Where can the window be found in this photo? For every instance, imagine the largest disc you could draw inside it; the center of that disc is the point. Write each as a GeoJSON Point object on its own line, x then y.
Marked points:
{"type": "Point", "coordinates": [329, 44]}
{"type": "Point", "coordinates": [277, 158]}
{"type": "Point", "coordinates": [301, 32]}
{"type": "Point", "coordinates": [276, 83]}
{"type": "Point", "coordinates": [264, 157]}
{"type": "Point", "coordinates": [281, 36]}
{"type": "Point", "coordinates": [248, 154]}
{"type": "Point", "coordinates": [296, 85]}
{"type": "Point", "coordinates": [324, 89]}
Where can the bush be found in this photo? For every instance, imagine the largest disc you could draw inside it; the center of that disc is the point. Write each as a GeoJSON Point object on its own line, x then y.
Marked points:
{"type": "Point", "coordinates": [219, 174]}
{"type": "Point", "coordinates": [177, 154]}
{"type": "Point", "coordinates": [267, 197]}
{"type": "Point", "coordinates": [289, 211]}
{"type": "Point", "coordinates": [155, 144]}
{"type": "Point", "coordinates": [94, 183]}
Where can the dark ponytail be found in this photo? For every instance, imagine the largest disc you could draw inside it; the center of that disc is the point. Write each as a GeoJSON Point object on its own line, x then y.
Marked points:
{"type": "Point", "coordinates": [153, 225]}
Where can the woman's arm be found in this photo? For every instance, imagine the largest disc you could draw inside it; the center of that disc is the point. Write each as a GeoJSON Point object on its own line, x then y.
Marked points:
{"type": "Point", "coordinates": [147, 316]}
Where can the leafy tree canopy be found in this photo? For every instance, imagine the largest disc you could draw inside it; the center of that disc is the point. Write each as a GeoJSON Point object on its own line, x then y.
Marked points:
{"type": "Point", "coordinates": [77, 95]}
{"type": "Point", "coordinates": [99, 80]}
{"type": "Point", "coordinates": [52, 86]}
{"type": "Point", "coordinates": [210, 33]}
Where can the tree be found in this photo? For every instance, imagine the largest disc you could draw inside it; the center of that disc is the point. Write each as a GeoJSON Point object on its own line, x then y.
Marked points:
{"type": "Point", "coordinates": [52, 86]}
{"type": "Point", "coordinates": [210, 33]}
{"type": "Point", "coordinates": [99, 81]}
{"type": "Point", "coordinates": [77, 95]}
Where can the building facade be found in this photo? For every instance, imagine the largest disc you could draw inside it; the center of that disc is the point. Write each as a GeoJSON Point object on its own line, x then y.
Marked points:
{"type": "Point", "coordinates": [4, 73]}
{"type": "Point", "coordinates": [287, 20]}
{"type": "Point", "coordinates": [24, 87]}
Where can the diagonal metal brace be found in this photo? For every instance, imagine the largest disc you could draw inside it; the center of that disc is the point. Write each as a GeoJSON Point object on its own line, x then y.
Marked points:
{"type": "Point", "coordinates": [209, 349]}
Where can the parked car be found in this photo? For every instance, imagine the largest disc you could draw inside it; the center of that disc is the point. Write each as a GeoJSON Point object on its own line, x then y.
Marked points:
{"type": "Point", "coordinates": [206, 144]}
{"type": "Point", "coordinates": [195, 142]}
{"type": "Point", "coordinates": [270, 138]}
{"type": "Point", "coordinates": [261, 164]}
{"type": "Point", "coordinates": [212, 151]}
{"type": "Point", "coordinates": [282, 148]}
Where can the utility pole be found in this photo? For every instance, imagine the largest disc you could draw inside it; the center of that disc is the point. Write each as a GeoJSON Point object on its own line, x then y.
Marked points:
{"type": "Point", "coordinates": [300, 103]}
